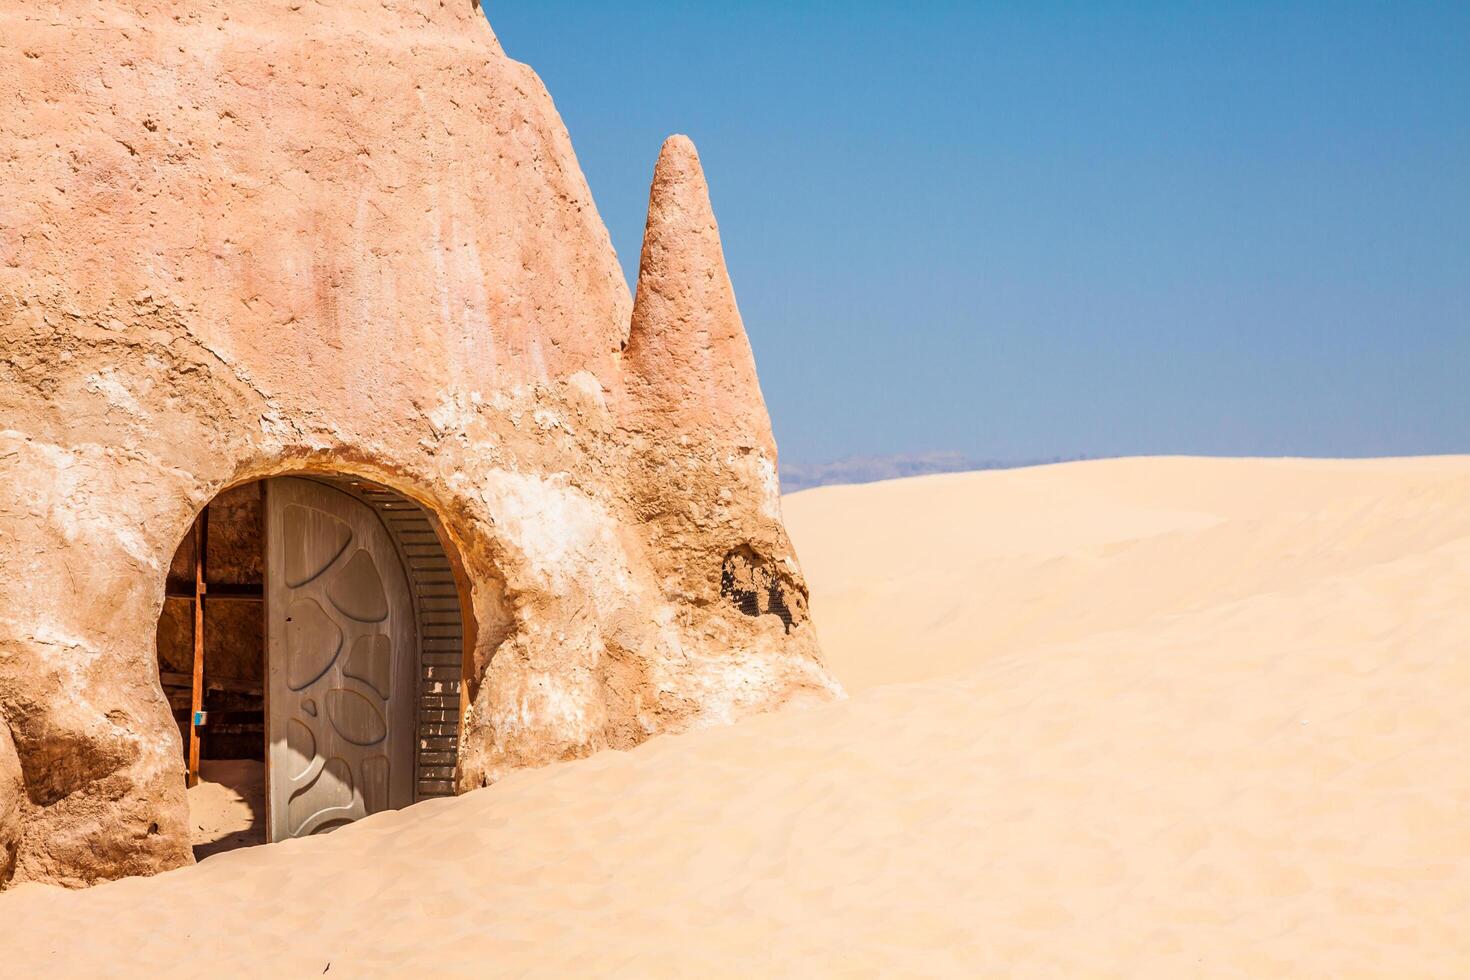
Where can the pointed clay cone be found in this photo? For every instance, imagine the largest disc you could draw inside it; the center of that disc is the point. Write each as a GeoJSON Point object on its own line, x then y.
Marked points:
{"type": "Point", "coordinates": [687, 352]}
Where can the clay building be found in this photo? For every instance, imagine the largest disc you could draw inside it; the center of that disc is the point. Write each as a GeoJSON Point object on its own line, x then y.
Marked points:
{"type": "Point", "coordinates": [332, 439]}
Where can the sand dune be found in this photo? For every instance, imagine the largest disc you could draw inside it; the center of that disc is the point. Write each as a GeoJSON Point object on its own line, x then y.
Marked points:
{"type": "Point", "coordinates": [1167, 717]}
{"type": "Point", "coordinates": [918, 578]}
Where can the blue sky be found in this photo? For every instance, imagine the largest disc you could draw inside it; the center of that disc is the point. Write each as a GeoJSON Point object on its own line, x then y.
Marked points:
{"type": "Point", "coordinates": [1033, 230]}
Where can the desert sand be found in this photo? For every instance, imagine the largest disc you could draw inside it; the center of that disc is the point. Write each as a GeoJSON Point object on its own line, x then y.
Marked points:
{"type": "Point", "coordinates": [1146, 717]}
{"type": "Point", "coordinates": [227, 806]}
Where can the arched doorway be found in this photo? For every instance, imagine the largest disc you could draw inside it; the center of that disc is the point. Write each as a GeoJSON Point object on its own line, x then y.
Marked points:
{"type": "Point", "coordinates": [312, 646]}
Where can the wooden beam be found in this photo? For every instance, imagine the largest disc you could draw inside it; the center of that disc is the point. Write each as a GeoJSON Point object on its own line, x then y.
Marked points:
{"type": "Point", "coordinates": [230, 685]}
{"type": "Point", "coordinates": [246, 593]}
{"type": "Point", "coordinates": [196, 701]}
{"type": "Point", "coordinates": [218, 591]}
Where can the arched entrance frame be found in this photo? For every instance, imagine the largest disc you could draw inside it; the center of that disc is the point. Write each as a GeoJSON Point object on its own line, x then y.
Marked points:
{"type": "Point", "coordinates": [363, 482]}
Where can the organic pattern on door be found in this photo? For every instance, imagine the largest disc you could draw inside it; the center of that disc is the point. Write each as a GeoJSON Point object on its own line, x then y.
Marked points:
{"type": "Point", "coordinates": [341, 622]}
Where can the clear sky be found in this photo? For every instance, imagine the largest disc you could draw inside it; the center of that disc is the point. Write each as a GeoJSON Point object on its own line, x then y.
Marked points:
{"type": "Point", "coordinates": [1027, 230]}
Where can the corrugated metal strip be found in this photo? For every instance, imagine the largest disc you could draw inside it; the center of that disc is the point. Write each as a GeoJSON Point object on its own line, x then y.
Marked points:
{"type": "Point", "coordinates": [441, 630]}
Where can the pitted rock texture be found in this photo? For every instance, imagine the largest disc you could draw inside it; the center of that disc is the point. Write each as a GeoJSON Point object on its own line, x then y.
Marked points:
{"type": "Point", "coordinates": [351, 236]}
{"type": "Point", "coordinates": [12, 791]}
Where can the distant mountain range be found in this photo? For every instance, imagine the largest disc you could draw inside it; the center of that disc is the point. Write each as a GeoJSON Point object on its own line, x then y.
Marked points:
{"type": "Point", "coordinates": [868, 469]}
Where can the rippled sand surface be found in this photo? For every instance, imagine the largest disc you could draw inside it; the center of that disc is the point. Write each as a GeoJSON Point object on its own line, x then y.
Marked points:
{"type": "Point", "coordinates": [1146, 717]}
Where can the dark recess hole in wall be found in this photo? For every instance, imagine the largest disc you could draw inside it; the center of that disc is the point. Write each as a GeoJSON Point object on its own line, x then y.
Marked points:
{"type": "Point", "coordinates": [757, 588]}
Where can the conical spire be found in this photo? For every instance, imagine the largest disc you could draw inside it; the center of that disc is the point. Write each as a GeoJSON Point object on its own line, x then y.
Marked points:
{"type": "Point", "coordinates": [687, 350]}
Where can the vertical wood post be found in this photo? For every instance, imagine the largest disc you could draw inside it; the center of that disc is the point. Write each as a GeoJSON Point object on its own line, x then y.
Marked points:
{"type": "Point", "coordinates": [196, 701]}
{"type": "Point", "coordinates": [266, 662]}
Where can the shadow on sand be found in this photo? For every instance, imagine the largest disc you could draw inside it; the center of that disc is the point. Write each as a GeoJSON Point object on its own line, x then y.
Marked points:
{"type": "Point", "coordinates": [227, 808]}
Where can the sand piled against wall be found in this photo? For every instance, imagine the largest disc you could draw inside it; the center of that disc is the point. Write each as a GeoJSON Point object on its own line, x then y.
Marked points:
{"type": "Point", "coordinates": [1171, 718]}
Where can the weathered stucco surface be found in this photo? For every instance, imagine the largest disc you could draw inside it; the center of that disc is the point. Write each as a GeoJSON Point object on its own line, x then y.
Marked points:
{"type": "Point", "coordinates": [12, 791]}
{"type": "Point", "coordinates": [239, 240]}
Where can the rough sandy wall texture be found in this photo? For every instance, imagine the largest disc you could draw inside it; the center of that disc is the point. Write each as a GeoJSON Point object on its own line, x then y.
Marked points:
{"type": "Point", "coordinates": [703, 463]}
{"type": "Point", "coordinates": [12, 791]}
{"type": "Point", "coordinates": [239, 240]}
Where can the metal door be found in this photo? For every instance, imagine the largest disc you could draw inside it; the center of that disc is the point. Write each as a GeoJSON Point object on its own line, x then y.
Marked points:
{"type": "Point", "coordinates": [342, 656]}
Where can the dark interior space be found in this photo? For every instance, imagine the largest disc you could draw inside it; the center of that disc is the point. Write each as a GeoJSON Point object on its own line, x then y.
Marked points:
{"type": "Point", "coordinates": [234, 628]}
{"type": "Point", "coordinates": [225, 552]}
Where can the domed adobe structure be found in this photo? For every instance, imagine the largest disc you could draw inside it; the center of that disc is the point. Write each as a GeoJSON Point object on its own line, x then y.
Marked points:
{"type": "Point", "coordinates": [341, 251]}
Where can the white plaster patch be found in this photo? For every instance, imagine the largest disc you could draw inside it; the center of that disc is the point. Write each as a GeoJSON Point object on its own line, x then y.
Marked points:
{"type": "Point", "coordinates": [549, 705]}
{"type": "Point", "coordinates": [763, 469]}
{"type": "Point", "coordinates": [68, 502]}
{"type": "Point", "coordinates": [107, 384]}
{"type": "Point", "coordinates": [730, 687]}
{"type": "Point", "coordinates": [80, 654]}
{"type": "Point", "coordinates": [565, 535]}
{"type": "Point", "coordinates": [586, 382]}
{"type": "Point", "coordinates": [136, 546]}
{"type": "Point", "coordinates": [49, 634]}
{"type": "Point", "coordinates": [273, 425]}
{"type": "Point", "coordinates": [456, 411]}
{"type": "Point", "coordinates": [770, 487]}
